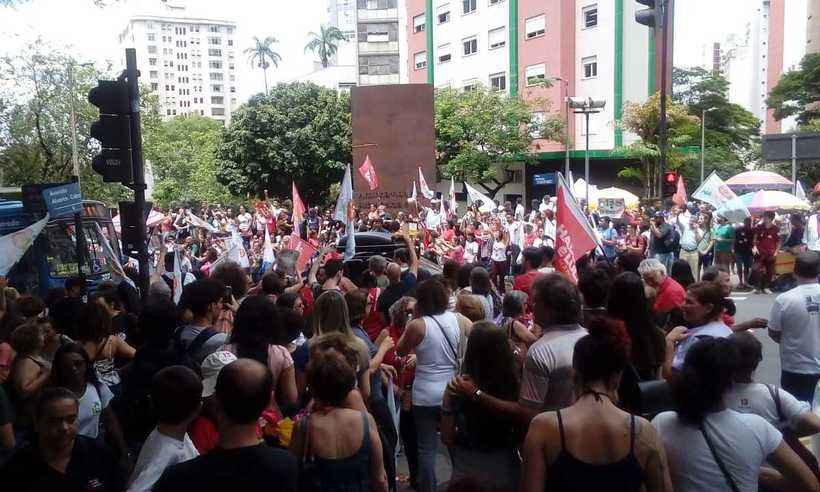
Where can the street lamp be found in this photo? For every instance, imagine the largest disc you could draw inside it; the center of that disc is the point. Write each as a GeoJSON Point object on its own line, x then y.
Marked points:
{"type": "Point", "coordinates": [73, 117]}
{"type": "Point", "coordinates": [566, 130]}
{"type": "Point", "coordinates": [703, 139]}
{"type": "Point", "coordinates": [586, 106]}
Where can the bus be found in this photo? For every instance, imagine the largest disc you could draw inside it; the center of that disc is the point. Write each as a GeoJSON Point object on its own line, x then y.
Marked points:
{"type": "Point", "coordinates": [52, 258]}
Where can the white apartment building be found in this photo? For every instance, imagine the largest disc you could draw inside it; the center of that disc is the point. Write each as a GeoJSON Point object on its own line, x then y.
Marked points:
{"type": "Point", "coordinates": [190, 62]}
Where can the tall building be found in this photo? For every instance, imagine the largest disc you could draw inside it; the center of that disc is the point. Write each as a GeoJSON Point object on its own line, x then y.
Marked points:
{"type": "Point", "coordinates": [586, 48]}
{"type": "Point", "coordinates": [341, 73]}
{"type": "Point", "coordinates": [189, 61]}
{"type": "Point", "coordinates": [378, 41]}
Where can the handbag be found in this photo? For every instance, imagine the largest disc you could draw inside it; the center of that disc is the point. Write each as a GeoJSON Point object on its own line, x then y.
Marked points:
{"type": "Point", "coordinates": [457, 355]}
{"type": "Point", "coordinates": [309, 479]}
{"type": "Point", "coordinates": [720, 464]}
{"type": "Point", "coordinates": [790, 438]}
{"type": "Point", "coordinates": [646, 398]}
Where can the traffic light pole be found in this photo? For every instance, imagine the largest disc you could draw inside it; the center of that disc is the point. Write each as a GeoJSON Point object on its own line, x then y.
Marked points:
{"type": "Point", "coordinates": [139, 186]}
{"type": "Point", "coordinates": [662, 140]}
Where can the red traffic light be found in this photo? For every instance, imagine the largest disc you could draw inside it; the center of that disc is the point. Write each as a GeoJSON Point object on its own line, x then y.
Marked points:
{"type": "Point", "coordinates": [670, 177]}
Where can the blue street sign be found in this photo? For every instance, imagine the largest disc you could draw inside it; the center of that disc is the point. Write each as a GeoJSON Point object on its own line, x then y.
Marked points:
{"type": "Point", "coordinates": [63, 200]}
{"type": "Point", "coordinates": [543, 179]}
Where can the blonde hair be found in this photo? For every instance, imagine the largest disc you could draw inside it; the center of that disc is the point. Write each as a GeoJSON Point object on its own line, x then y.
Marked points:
{"type": "Point", "coordinates": [330, 316]}
{"type": "Point", "coordinates": [471, 307]}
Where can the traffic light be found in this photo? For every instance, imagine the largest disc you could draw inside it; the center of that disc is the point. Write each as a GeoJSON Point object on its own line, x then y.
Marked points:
{"type": "Point", "coordinates": [650, 17]}
{"type": "Point", "coordinates": [670, 183]}
{"type": "Point", "coordinates": [113, 131]}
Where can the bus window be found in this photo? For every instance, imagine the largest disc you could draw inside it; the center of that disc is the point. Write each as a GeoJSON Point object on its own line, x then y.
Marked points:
{"type": "Point", "coordinates": [61, 250]}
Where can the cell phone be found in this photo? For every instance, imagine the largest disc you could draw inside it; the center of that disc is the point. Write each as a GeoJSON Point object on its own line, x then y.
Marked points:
{"type": "Point", "coordinates": [227, 297]}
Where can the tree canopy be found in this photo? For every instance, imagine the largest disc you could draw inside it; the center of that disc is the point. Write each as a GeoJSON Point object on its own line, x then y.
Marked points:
{"type": "Point", "coordinates": [325, 43]}
{"type": "Point", "coordinates": [298, 131]}
{"type": "Point", "coordinates": [798, 92]}
{"type": "Point", "coordinates": [477, 129]}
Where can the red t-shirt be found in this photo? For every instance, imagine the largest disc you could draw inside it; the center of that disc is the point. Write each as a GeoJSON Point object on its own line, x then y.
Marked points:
{"type": "Point", "coordinates": [524, 283]}
{"type": "Point", "coordinates": [670, 296]}
{"type": "Point", "coordinates": [767, 239]}
{"type": "Point", "coordinates": [448, 235]}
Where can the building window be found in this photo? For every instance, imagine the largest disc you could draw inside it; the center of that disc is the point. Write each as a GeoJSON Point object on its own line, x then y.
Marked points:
{"type": "Point", "coordinates": [216, 88]}
{"type": "Point", "coordinates": [497, 38]}
{"type": "Point", "coordinates": [468, 6]}
{"type": "Point", "coordinates": [590, 14]}
{"type": "Point", "coordinates": [216, 76]}
{"type": "Point", "coordinates": [154, 74]}
{"type": "Point", "coordinates": [470, 85]}
{"type": "Point", "coordinates": [444, 54]}
{"type": "Point", "coordinates": [152, 62]}
{"type": "Point", "coordinates": [535, 74]}
{"type": "Point", "coordinates": [498, 81]}
{"type": "Point", "coordinates": [418, 23]}
{"type": "Point", "coordinates": [470, 46]}
{"type": "Point", "coordinates": [230, 42]}
{"type": "Point", "coordinates": [494, 2]}
{"type": "Point", "coordinates": [217, 64]}
{"type": "Point", "coordinates": [378, 37]}
{"type": "Point", "coordinates": [535, 26]}
{"type": "Point", "coordinates": [515, 175]}
{"type": "Point", "coordinates": [154, 86]}
{"type": "Point", "coordinates": [217, 111]}
{"type": "Point", "coordinates": [420, 60]}
{"type": "Point", "coordinates": [217, 100]}
{"type": "Point", "coordinates": [152, 36]}
{"type": "Point", "coordinates": [213, 28]}
{"type": "Point", "coordinates": [149, 26]}
{"type": "Point", "coordinates": [152, 50]}
{"type": "Point", "coordinates": [443, 12]}
{"type": "Point", "coordinates": [213, 52]}
{"type": "Point", "coordinates": [214, 41]}
{"type": "Point", "coordinates": [590, 64]}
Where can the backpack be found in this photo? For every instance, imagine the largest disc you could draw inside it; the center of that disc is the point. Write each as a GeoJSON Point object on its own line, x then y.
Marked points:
{"type": "Point", "coordinates": [186, 356]}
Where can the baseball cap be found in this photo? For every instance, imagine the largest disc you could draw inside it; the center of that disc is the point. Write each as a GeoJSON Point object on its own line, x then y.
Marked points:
{"type": "Point", "coordinates": [210, 370]}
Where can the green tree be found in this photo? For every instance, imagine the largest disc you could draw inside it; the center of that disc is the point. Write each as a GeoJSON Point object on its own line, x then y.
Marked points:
{"type": "Point", "coordinates": [478, 130]}
{"type": "Point", "coordinates": [298, 132]}
{"type": "Point", "coordinates": [797, 93]}
{"type": "Point", "coordinates": [182, 153]}
{"type": "Point", "coordinates": [325, 43]}
{"type": "Point", "coordinates": [643, 119]}
{"type": "Point", "coordinates": [261, 54]}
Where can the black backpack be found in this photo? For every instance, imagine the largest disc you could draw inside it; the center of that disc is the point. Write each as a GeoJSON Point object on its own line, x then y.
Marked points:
{"type": "Point", "coordinates": [186, 356]}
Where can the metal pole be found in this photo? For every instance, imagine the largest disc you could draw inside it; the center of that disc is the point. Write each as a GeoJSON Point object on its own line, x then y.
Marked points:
{"type": "Point", "coordinates": [586, 159]}
{"type": "Point", "coordinates": [794, 163]}
{"type": "Point", "coordinates": [131, 75]}
{"type": "Point", "coordinates": [702, 143]}
{"type": "Point", "coordinates": [662, 136]}
{"type": "Point", "coordinates": [566, 136]}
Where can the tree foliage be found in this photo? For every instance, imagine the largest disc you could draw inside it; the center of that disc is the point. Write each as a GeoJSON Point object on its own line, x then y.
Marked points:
{"type": "Point", "coordinates": [798, 92]}
{"type": "Point", "coordinates": [261, 55]}
{"type": "Point", "coordinates": [480, 128]}
{"type": "Point", "coordinates": [182, 153]}
{"type": "Point", "coordinates": [297, 132]}
{"type": "Point", "coordinates": [325, 43]}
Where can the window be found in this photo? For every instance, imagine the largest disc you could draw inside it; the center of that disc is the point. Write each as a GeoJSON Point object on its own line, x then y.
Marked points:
{"type": "Point", "coordinates": [468, 6]}
{"type": "Point", "coordinates": [443, 13]}
{"type": "Point", "coordinates": [590, 64]}
{"type": "Point", "coordinates": [217, 100]}
{"type": "Point", "coordinates": [470, 46]}
{"type": "Point", "coordinates": [154, 74]}
{"type": "Point", "coordinates": [216, 88]}
{"type": "Point", "coordinates": [495, 2]}
{"type": "Point", "coordinates": [378, 37]}
{"type": "Point", "coordinates": [231, 66]}
{"type": "Point", "coordinates": [444, 53]}
{"type": "Point", "coordinates": [213, 28]}
{"type": "Point", "coordinates": [216, 64]}
{"type": "Point", "coordinates": [167, 112]}
{"type": "Point", "coordinates": [213, 52]}
{"type": "Point", "coordinates": [216, 76]}
{"type": "Point", "coordinates": [152, 36]}
{"type": "Point", "coordinates": [497, 38]}
{"type": "Point", "coordinates": [418, 23]}
{"type": "Point", "coordinates": [152, 62]}
{"type": "Point", "coordinates": [535, 26]}
{"type": "Point", "coordinates": [470, 85]}
{"type": "Point", "coordinates": [233, 89]}
{"type": "Point", "coordinates": [149, 25]}
{"type": "Point", "coordinates": [217, 111]}
{"type": "Point", "coordinates": [214, 41]}
{"type": "Point", "coordinates": [230, 42]}
{"type": "Point", "coordinates": [535, 74]}
{"type": "Point", "coordinates": [152, 50]}
{"type": "Point", "coordinates": [590, 15]}
{"type": "Point", "coordinates": [498, 81]}
{"type": "Point", "coordinates": [420, 60]}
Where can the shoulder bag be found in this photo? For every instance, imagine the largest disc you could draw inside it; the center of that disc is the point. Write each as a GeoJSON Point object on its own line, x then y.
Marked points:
{"type": "Point", "coordinates": [720, 464]}
{"type": "Point", "coordinates": [455, 352]}
{"type": "Point", "coordinates": [790, 438]}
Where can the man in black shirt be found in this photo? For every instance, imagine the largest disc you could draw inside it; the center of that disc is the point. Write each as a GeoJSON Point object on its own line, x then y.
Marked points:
{"type": "Point", "coordinates": [661, 240]}
{"type": "Point", "coordinates": [239, 461]}
{"type": "Point", "coordinates": [58, 459]}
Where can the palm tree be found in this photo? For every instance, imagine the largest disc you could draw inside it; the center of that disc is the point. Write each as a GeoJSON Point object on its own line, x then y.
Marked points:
{"type": "Point", "coordinates": [262, 55]}
{"type": "Point", "coordinates": [325, 44]}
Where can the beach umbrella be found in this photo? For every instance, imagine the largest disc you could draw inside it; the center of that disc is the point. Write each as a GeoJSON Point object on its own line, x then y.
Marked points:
{"type": "Point", "coordinates": [763, 200]}
{"type": "Point", "coordinates": [630, 199]}
{"type": "Point", "coordinates": [756, 180]}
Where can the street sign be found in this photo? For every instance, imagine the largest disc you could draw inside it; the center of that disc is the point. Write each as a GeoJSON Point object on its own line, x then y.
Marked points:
{"type": "Point", "coordinates": [778, 146]}
{"type": "Point", "coordinates": [63, 200]}
{"type": "Point", "coordinates": [543, 179]}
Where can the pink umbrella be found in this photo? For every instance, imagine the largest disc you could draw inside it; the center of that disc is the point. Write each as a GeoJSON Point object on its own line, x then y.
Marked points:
{"type": "Point", "coordinates": [756, 180]}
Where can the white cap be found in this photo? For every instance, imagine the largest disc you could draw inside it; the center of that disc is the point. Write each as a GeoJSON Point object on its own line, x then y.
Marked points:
{"type": "Point", "coordinates": [210, 370]}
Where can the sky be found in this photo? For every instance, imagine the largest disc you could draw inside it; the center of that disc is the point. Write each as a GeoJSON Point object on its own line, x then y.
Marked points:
{"type": "Point", "coordinates": [90, 32]}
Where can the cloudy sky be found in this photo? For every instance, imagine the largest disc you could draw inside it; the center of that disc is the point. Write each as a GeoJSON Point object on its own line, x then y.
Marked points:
{"type": "Point", "coordinates": [90, 32]}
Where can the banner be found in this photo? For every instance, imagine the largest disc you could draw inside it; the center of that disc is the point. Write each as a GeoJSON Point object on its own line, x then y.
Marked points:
{"type": "Point", "coordinates": [197, 222]}
{"type": "Point", "coordinates": [177, 289]}
{"type": "Point", "coordinates": [679, 198]}
{"type": "Point", "coordinates": [715, 192]}
{"type": "Point", "coordinates": [487, 204]}
{"type": "Point", "coordinates": [453, 204]}
{"type": "Point", "coordinates": [240, 256]}
{"type": "Point", "coordinates": [413, 194]}
{"type": "Point", "coordinates": [346, 214]}
{"type": "Point", "coordinates": [611, 207]}
{"type": "Point", "coordinates": [108, 251]}
{"type": "Point", "coordinates": [298, 209]}
{"type": "Point", "coordinates": [306, 252]}
{"type": "Point", "coordinates": [368, 172]}
{"type": "Point", "coordinates": [574, 236]}
{"type": "Point", "coordinates": [425, 190]}
{"type": "Point", "coordinates": [15, 245]}
{"type": "Point", "coordinates": [268, 257]}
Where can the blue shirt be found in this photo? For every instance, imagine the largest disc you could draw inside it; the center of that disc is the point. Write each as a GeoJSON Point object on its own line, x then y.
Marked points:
{"type": "Point", "coordinates": [610, 234]}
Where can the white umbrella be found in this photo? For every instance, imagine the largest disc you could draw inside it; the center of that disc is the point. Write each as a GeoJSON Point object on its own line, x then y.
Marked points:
{"type": "Point", "coordinates": [579, 189]}
{"type": "Point", "coordinates": [612, 192]}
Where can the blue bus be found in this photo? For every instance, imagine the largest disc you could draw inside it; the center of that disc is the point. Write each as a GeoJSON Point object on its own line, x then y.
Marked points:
{"type": "Point", "coordinates": [52, 258]}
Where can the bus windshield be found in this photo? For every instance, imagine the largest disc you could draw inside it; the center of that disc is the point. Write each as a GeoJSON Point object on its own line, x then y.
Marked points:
{"type": "Point", "coordinates": [61, 250]}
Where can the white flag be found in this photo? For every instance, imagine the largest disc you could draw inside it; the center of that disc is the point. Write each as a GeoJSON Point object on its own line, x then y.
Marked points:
{"type": "Point", "coordinates": [799, 192]}
{"type": "Point", "coordinates": [240, 256]}
{"type": "Point", "coordinates": [487, 204]}
{"type": "Point", "coordinates": [267, 249]}
{"type": "Point", "coordinates": [13, 246]}
{"type": "Point", "coordinates": [116, 266]}
{"type": "Point", "coordinates": [425, 190]}
{"type": "Point", "coordinates": [413, 194]}
{"type": "Point", "coordinates": [197, 222]}
{"type": "Point", "coordinates": [453, 203]}
{"type": "Point", "coordinates": [177, 276]}
{"type": "Point", "coordinates": [344, 213]}
{"type": "Point", "coordinates": [715, 192]}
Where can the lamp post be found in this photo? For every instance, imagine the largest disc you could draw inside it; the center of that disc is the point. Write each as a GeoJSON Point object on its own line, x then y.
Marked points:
{"type": "Point", "coordinates": [703, 139]}
{"type": "Point", "coordinates": [566, 131]}
{"type": "Point", "coordinates": [73, 117]}
{"type": "Point", "coordinates": [586, 106]}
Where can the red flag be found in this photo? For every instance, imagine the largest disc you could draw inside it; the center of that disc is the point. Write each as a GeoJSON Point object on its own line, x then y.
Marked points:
{"type": "Point", "coordinates": [573, 235]}
{"type": "Point", "coordinates": [368, 172]}
{"type": "Point", "coordinates": [298, 209]}
{"type": "Point", "coordinates": [680, 195]}
{"type": "Point", "coordinates": [305, 250]}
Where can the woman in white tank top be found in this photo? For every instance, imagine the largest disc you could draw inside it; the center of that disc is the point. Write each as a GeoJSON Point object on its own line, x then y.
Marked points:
{"type": "Point", "coordinates": [435, 337]}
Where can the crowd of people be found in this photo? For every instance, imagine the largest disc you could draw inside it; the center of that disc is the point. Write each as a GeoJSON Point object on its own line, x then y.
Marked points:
{"type": "Point", "coordinates": [257, 376]}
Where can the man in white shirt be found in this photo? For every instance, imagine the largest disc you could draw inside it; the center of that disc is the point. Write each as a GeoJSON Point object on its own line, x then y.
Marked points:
{"type": "Point", "coordinates": [794, 323]}
{"type": "Point", "coordinates": [176, 392]}
{"type": "Point", "coordinates": [519, 209]}
{"type": "Point", "coordinates": [813, 230]}
{"type": "Point", "coordinates": [545, 204]}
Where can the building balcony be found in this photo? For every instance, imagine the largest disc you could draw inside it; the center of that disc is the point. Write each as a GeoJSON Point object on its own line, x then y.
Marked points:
{"type": "Point", "coordinates": [379, 79]}
{"type": "Point", "coordinates": [371, 48]}
{"type": "Point", "coordinates": [365, 15]}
